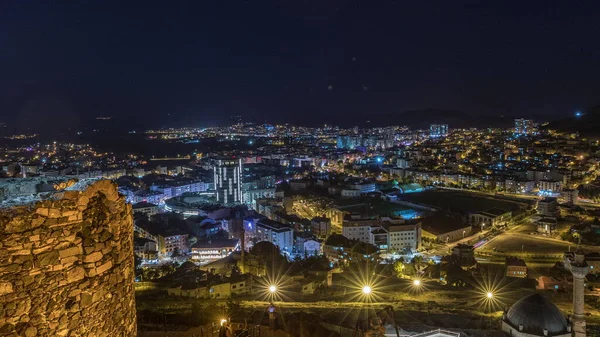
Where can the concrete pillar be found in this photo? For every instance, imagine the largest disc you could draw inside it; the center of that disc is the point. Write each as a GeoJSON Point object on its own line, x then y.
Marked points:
{"type": "Point", "coordinates": [579, 268]}
{"type": "Point", "coordinates": [578, 317]}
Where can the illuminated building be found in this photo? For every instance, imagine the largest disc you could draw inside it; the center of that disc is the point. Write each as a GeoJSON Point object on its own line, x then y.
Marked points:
{"type": "Point", "coordinates": [228, 180]}
{"type": "Point", "coordinates": [524, 126]}
{"type": "Point", "coordinates": [438, 130]}
{"type": "Point", "coordinates": [570, 195]}
{"type": "Point", "coordinates": [548, 207]}
{"type": "Point", "coordinates": [516, 267]}
{"type": "Point", "coordinates": [404, 236]}
{"type": "Point", "coordinates": [276, 233]}
{"type": "Point", "coordinates": [212, 250]}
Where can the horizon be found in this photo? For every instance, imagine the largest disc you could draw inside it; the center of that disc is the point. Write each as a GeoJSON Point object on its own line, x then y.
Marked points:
{"type": "Point", "coordinates": [304, 64]}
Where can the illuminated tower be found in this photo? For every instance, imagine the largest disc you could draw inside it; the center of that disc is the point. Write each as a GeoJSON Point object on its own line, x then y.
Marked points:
{"type": "Point", "coordinates": [579, 268]}
{"type": "Point", "coordinates": [228, 180]}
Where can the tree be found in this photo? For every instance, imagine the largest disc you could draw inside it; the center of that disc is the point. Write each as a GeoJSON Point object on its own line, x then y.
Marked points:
{"type": "Point", "coordinates": [235, 271]}
{"type": "Point", "coordinates": [417, 262]}
{"type": "Point", "coordinates": [222, 234]}
{"type": "Point", "coordinates": [399, 268]}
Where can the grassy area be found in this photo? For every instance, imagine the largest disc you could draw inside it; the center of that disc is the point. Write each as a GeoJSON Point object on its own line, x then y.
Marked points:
{"type": "Point", "coordinates": [461, 202]}
{"type": "Point", "coordinates": [372, 206]}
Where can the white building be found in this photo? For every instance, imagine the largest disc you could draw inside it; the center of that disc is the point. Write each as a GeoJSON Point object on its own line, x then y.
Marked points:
{"type": "Point", "coordinates": [361, 230]}
{"type": "Point", "coordinates": [490, 217]}
{"type": "Point", "coordinates": [250, 196]}
{"type": "Point", "coordinates": [524, 126]}
{"type": "Point", "coordinates": [438, 130]}
{"type": "Point", "coordinates": [404, 236]}
{"type": "Point", "coordinates": [363, 187]}
{"type": "Point", "coordinates": [308, 246]}
{"type": "Point", "coordinates": [145, 208]}
{"type": "Point", "coordinates": [550, 186]}
{"type": "Point", "coordinates": [276, 233]}
{"type": "Point", "coordinates": [208, 251]}
{"type": "Point", "coordinates": [548, 207]}
{"type": "Point", "coordinates": [176, 190]}
{"type": "Point", "coordinates": [228, 180]}
{"type": "Point", "coordinates": [570, 196]}
{"type": "Point", "coordinates": [350, 193]}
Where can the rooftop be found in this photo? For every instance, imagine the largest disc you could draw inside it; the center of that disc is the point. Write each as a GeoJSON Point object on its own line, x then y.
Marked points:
{"type": "Point", "coordinates": [221, 243]}
{"type": "Point", "coordinates": [438, 223]}
{"type": "Point", "coordinates": [273, 225]}
{"type": "Point", "coordinates": [143, 204]}
{"type": "Point", "coordinates": [536, 313]}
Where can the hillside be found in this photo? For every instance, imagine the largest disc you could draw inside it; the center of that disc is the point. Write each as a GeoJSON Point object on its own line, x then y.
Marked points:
{"type": "Point", "coordinates": [587, 124]}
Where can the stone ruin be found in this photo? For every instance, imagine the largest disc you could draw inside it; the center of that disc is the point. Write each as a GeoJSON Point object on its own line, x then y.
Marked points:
{"type": "Point", "coordinates": [66, 262]}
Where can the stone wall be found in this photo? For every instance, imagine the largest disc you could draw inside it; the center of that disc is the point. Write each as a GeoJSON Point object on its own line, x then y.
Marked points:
{"type": "Point", "coordinates": [66, 264]}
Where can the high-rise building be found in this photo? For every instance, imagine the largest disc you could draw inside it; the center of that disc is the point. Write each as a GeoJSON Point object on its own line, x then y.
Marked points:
{"type": "Point", "coordinates": [438, 130]}
{"type": "Point", "coordinates": [524, 126]}
{"type": "Point", "coordinates": [348, 142]}
{"type": "Point", "coordinates": [228, 180]}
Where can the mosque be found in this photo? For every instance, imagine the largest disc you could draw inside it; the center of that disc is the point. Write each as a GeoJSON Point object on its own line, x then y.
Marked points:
{"type": "Point", "coordinates": [536, 316]}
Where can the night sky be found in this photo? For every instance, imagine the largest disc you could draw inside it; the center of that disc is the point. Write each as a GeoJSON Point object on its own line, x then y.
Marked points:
{"type": "Point", "coordinates": [169, 63]}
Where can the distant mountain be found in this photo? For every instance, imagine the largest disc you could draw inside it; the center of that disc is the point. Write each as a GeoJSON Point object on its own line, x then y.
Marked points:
{"type": "Point", "coordinates": [587, 123]}
{"type": "Point", "coordinates": [421, 119]}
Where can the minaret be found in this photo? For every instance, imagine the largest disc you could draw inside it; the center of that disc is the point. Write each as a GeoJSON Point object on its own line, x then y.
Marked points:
{"type": "Point", "coordinates": [579, 268]}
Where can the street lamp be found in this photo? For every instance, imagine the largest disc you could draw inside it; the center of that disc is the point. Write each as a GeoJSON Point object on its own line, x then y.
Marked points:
{"type": "Point", "coordinates": [417, 283]}
{"type": "Point", "coordinates": [367, 290]}
{"type": "Point", "coordinates": [272, 289]}
{"type": "Point", "coordinates": [489, 295]}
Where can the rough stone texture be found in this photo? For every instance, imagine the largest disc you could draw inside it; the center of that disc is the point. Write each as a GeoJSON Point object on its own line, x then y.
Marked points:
{"type": "Point", "coordinates": [66, 264]}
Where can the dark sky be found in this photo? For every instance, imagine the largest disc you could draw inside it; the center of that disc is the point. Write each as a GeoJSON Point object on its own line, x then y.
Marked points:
{"type": "Point", "coordinates": [197, 62]}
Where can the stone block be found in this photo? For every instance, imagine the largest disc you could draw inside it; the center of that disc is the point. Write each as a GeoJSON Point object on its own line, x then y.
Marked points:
{"type": "Point", "coordinates": [86, 299]}
{"type": "Point", "coordinates": [70, 252]}
{"type": "Point", "coordinates": [5, 288]}
{"type": "Point", "coordinates": [69, 260]}
{"type": "Point", "coordinates": [22, 252]}
{"type": "Point", "coordinates": [75, 274]}
{"type": "Point", "coordinates": [83, 201]}
{"type": "Point", "coordinates": [42, 211]}
{"type": "Point", "coordinates": [54, 213]}
{"type": "Point", "coordinates": [93, 257]}
{"type": "Point", "coordinates": [104, 267]}
{"type": "Point", "coordinates": [48, 258]}
{"type": "Point", "coordinates": [30, 332]}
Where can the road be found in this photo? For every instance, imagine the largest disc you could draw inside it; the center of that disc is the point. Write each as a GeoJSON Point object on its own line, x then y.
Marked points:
{"type": "Point", "coordinates": [444, 248]}
{"type": "Point", "coordinates": [526, 243]}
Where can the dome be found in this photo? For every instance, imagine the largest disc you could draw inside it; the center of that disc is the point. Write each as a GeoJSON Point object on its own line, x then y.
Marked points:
{"type": "Point", "coordinates": [535, 313]}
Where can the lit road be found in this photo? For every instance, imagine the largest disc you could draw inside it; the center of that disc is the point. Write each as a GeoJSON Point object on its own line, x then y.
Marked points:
{"type": "Point", "coordinates": [517, 242]}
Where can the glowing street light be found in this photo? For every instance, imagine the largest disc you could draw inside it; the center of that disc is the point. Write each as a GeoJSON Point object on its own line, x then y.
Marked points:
{"type": "Point", "coordinates": [489, 295]}
{"type": "Point", "coordinates": [417, 283]}
{"type": "Point", "coordinates": [272, 289]}
{"type": "Point", "coordinates": [367, 290]}
{"type": "Point", "coordinates": [223, 321]}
